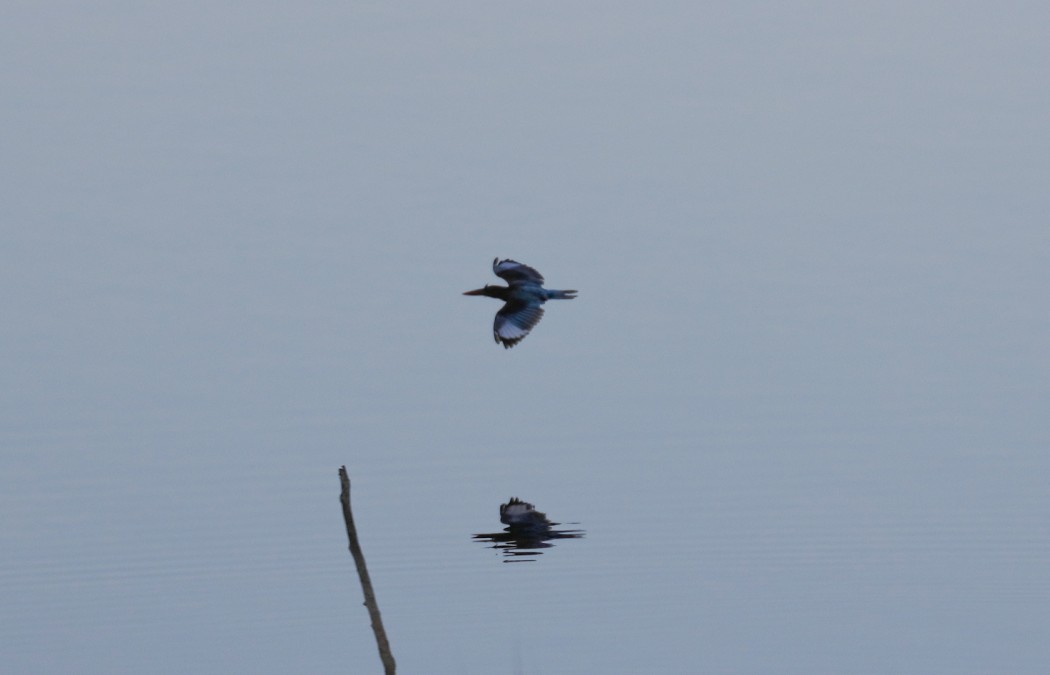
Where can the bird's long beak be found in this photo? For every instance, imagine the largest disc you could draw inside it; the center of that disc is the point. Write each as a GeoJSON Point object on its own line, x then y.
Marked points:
{"type": "Point", "coordinates": [480, 291]}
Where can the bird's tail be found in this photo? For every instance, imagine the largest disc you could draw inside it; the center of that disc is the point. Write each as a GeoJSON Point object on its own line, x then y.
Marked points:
{"type": "Point", "coordinates": [560, 295]}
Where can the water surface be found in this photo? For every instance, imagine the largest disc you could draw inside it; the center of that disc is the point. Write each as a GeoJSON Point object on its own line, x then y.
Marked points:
{"type": "Point", "coordinates": [798, 409]}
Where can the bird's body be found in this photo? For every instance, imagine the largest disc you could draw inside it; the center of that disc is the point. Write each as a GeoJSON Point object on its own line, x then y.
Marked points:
{"type": "Point", "coordinates": [524, 294]}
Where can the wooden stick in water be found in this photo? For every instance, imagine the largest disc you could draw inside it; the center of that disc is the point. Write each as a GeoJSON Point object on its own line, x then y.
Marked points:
{"type": "Point", "coordinates": [389, 667]}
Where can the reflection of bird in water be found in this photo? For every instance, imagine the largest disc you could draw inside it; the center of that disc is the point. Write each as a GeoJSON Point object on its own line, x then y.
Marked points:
{"type": "Point", "coordinates": [523, 296]}
{"type": "Point", "coordinates": [527, 531]}
{"type": "Point", "coordinates": [523, 517]}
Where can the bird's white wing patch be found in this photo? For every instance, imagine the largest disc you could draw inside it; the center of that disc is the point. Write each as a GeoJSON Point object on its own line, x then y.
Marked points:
{"type": "Point", "coordinates": [512, 326]}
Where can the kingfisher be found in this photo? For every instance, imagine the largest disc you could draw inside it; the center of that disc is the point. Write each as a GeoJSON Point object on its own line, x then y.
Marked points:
{"type": "Point", "coordinates": [523, 296]}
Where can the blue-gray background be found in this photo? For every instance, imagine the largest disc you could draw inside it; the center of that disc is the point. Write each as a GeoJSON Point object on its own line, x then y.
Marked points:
{"type": "Point", "coordinates": [799, 407]}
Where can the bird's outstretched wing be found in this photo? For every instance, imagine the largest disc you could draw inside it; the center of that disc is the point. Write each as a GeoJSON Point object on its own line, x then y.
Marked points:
{"type": "Point", "coordinates": [514, 321]}
{"type": "Point", "coordinates": [515, 273]}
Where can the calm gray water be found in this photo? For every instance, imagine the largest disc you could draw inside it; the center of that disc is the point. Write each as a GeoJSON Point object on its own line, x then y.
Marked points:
{"type": "Point", "coordinates": [799, 408]}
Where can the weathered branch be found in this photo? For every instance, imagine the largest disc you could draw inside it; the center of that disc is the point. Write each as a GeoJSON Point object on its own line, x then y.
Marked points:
{"type": "Point", "coordinates": [389, 667]}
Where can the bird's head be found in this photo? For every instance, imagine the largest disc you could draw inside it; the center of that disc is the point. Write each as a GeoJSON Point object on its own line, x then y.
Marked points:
{"type": "Point", "coordinates": [490, 291]}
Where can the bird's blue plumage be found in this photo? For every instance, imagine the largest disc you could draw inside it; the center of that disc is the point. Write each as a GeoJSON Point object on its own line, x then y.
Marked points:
{"type": "Point", "coordinates": [524, 294]}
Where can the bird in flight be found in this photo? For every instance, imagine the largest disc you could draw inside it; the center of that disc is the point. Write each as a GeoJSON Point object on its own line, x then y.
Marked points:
{"type": "Point", "coordinates": [523, 296]}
